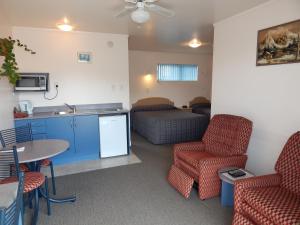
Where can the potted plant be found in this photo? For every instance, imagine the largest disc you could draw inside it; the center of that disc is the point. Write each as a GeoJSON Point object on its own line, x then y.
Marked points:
{"type": "Point", "coordinates": [9, 67]}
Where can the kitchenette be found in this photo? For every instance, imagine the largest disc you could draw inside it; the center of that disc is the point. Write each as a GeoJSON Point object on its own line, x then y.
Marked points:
{"type": "Point", "coordinates": [95, 120]}
{"type": "Point", "coordinates": [94, 131]}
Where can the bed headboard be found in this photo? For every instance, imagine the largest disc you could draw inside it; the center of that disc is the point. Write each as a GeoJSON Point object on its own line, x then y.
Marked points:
{"type": "Point", "coordinates": [153, 101]}
{"type": "Point", "coordinates": [199, 100]}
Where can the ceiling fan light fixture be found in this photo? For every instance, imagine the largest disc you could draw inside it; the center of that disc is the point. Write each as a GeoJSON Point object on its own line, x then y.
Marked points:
{"type": "Point", "coordinates": [65, 26]}
{"type": "Point", "coordinates": [195, 43]}
{"type": "Point", "coordinates": [140, 16]}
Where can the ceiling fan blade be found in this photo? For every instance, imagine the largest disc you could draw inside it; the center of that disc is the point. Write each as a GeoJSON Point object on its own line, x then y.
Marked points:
{"type": "Point", "coordinates": [131, 1]}
{"type": "Point", "coordinates": [160, 10]}
{"type": "Point", "coordinates": [125, 11]}
{"type": "Point", "coordinates": [150, 1]}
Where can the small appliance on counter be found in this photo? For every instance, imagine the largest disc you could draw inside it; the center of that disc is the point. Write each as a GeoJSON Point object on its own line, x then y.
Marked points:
{"type": "Point", "coordinates": [26, 106]}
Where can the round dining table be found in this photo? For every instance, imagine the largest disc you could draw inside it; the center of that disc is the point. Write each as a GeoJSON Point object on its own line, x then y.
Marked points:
{"type": "Point", "coordinates": [38, 150]}
{"type": "Point", "coordinates": [32, 152]}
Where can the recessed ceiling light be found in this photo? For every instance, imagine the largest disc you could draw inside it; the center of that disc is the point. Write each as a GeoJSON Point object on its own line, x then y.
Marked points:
{"type": "Point", "coordinates": [195, 43]}
{"type": "Point", "coordinates": [65, 26]}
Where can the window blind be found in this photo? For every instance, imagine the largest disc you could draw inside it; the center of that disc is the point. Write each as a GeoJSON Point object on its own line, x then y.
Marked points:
{"type": "Point", "coordinates": [177, 72]}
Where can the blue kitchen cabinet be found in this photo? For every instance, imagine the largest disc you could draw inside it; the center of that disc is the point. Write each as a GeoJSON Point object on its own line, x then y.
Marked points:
{"type": "Point", "coordinates": [38, 127]}
{"type": "Point", "coordinates": [86, 131]}
{"type": "Point", "coordinates": [82, 133]}
{"type": "Point", "coordinates": [21, 123]}
{"type": "Point", "coordinates": [62, 128]}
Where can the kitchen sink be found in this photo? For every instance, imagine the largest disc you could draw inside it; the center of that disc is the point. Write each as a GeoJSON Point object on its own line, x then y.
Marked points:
{"type": "Point", "coordinates": [63, 113]}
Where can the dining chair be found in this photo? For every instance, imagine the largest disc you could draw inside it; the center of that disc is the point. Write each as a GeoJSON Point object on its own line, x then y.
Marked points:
{"type": "Point", "coordinates": [23, 134]}
{"type": "Point", "coordinates": [33, 181]}
{"type": "Point", "coordinates": [10, 215]}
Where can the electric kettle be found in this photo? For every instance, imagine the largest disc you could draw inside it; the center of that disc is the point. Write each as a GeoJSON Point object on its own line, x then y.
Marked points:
{"type": "Point", "coordinates": [26, 106]}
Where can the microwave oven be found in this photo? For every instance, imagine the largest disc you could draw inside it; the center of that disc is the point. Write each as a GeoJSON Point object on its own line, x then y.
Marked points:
{"type": "Point", "coordinates": [32, 82]}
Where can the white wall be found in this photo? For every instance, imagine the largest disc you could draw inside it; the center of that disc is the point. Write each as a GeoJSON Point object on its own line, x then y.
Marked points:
{"type": "Point", "coordinates": [8, 100]}
{"type": "Point", "coordinates": [268, 95]}
{"type": "Point", "coordinates": [105, 80]}
{"type": "Point", "coordinates": [142, 63]}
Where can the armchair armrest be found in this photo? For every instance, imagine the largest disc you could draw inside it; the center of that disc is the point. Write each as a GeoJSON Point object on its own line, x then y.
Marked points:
{"type": "Point", "coordinates": [253, 182]}
{"type": "Point", "coordinates": [189, 146]}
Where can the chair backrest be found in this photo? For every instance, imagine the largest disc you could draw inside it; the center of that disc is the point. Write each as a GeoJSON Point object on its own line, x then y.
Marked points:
{"type": "Point", "coordinates": [15, 135]}
{"type": "Point", "coordinates": [288, 164]}
{"type": "Point", "coordinates": [10, 215]}
{"type": "Point", "coordinates": [227, 135]}
{"type": "Point", "coordinates": [9, 163]}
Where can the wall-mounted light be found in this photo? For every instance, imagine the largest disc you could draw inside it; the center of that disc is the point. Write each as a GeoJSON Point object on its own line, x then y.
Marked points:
{"type": "Point", "coordinates": [148, 82]}
{"type": "Point", "coordinates": [148, 78]}
{"type": "Point", "coordinates": [65, 26]}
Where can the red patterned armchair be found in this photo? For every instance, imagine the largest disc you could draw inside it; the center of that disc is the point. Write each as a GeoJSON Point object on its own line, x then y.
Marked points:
{"type": "Point", "coordinates": [272, 199]}
{"type": "Point", "coordinates": [224, 144]}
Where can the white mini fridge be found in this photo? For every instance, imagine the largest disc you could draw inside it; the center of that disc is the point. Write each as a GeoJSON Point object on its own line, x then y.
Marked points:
{"type": "Point", "coordinates": [113, 135]}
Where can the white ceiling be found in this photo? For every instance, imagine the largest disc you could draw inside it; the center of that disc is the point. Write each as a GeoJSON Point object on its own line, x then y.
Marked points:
{"type": "Point", "coordinates": [194, 18]}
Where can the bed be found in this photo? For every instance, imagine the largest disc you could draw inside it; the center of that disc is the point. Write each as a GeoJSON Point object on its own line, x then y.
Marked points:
{"type": "Point", "coordinates": [200, 105]}
{"type": "Point", "coordinates": [160, 122]}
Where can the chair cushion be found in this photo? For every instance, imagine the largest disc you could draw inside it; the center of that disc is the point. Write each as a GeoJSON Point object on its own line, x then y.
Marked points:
{"type": "Point", "coordinates": [193, 157]}
{"type": "Point", "coordinates": [24, 168]}
{"type": "Point", "coordinates": [45, 162]}
{"type": "Point", "coordinates": [274, 203]}
{"type": "Point", "coordinates": [238, 219]}
{"type": "Point", "coordinates": [32, 181]}
{"type": "Point", "coordinates": [254, 215]}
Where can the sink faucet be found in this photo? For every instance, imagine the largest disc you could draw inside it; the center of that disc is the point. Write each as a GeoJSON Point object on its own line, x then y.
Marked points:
{"type": "Point", "coordinates": [73, 108]}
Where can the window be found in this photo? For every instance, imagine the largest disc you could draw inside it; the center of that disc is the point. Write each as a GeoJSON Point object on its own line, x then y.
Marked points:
{"type": "Point", "coordinates": [177, 72]}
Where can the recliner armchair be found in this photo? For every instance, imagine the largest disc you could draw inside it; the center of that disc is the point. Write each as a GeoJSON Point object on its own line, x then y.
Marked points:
{"type": "Point", "coordinates": [224, 144]}
{"type": "Point", "coordinates": [272, 199]}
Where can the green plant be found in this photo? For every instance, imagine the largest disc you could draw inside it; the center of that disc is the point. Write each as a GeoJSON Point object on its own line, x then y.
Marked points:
{"type": "Point", "coordinates": [10, 66]}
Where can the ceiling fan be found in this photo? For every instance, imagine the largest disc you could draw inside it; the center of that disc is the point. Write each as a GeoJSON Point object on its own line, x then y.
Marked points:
{"type": "Point", "coordinates": [139, 10]}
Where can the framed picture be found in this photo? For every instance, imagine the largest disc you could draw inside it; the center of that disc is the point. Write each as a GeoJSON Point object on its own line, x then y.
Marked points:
{"type": "Point", "coordinates": [279, 44]}
{"type": "Point", "coordinates": [84, 57]}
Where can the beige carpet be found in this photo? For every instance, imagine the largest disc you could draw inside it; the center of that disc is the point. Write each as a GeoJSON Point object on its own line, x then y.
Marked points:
{"type": "Point", "coordinates": [136, 194]}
